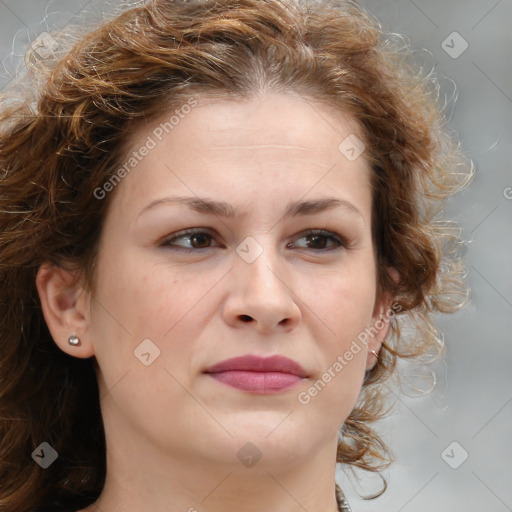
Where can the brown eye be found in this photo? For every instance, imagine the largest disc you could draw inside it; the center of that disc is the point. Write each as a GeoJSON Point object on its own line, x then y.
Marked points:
{"type": "Point", "coordinates": [200, 240]}
{"type": "Point", "coordinates": [318, 240]}
{"type": "Point", "coordinates": [197, 239]}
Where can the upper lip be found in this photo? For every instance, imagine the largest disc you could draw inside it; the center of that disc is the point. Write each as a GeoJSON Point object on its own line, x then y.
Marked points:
{"type": "Point", "coordinates": [259, 364]}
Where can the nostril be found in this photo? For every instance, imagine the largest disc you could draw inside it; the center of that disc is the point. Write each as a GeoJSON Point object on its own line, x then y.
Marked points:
{"type": "Point", "coordinates": [246, 318]}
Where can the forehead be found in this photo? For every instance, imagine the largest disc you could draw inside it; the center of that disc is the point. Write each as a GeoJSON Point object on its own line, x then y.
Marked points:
{"type": "Point", "coordinates": [270, 118]}
{"type": "Point", "coordinates": [275, 143]}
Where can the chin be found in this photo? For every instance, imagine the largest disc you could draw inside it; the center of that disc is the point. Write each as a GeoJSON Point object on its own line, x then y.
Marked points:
{"type": "Point", "coordinates": [275, 440]}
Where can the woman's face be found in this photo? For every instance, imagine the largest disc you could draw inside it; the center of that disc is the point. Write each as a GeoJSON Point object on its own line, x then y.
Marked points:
{"type": "Point", "coordinates": [252, 178]}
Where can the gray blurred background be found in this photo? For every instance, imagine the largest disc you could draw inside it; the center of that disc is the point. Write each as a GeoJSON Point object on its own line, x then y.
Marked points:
{"type": "Point", "coordinates": [452, 448]}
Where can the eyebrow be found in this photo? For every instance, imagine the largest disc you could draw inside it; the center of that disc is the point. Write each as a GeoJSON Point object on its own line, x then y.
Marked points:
{"type": "Point", "coordinates": [226, 210]}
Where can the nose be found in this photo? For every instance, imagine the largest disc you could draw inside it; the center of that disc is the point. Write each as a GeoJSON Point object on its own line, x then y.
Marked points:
{"type": "Point", "coordinates": [262, 295]}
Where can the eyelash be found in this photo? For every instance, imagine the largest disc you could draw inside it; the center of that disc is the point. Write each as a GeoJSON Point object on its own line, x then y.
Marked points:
{"type": "Point", "coordinates": [340, 241]}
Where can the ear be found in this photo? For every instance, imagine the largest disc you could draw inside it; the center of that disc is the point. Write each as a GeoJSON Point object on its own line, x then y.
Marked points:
{"type": "Point", "coordinates": [65, 308]}
{"type": "Point", "coordinates": [379, 329]}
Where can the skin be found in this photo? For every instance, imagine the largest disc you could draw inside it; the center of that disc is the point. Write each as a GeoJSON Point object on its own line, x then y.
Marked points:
{"type": "Point", "coordinates": [173, 432]}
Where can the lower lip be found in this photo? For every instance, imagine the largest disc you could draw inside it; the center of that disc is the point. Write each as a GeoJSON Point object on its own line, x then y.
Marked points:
{"type": "Point", "coordinates": [257, 382]}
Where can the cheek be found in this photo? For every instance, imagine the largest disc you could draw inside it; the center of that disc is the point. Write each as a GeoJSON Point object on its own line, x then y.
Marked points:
{"type": "Point", "coordinates": [346, 308]}
{"type": "Point", "coordinates": [138, 302]}
{"type": "Point", "coordinates": [333, 393]}
{"type": "Point", "coordinates": [136, 298]}
{"type": "Point", "coordinates": [346, 302]}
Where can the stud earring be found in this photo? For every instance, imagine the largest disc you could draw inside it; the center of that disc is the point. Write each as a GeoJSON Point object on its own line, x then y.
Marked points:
{"type": "Point", "coordinates": [74, 340]}
{"type": "Point", "coordinates": [375, 353]}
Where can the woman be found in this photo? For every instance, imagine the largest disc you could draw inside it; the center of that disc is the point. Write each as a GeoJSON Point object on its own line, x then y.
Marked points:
{"type": "Point", "coordinates": [217, 220]}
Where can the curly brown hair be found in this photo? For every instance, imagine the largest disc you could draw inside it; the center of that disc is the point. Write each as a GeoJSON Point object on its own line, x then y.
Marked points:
{"type": "Point", "coordinates": [65, 135]}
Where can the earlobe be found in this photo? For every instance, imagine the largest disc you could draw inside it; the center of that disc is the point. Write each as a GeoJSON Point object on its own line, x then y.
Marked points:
{"type": "Point", "coordinates": [65, 309]}
{"type": "Point", "coordinates": [379, 330]}
{"type": "Point", "coordinates": [393, 272]}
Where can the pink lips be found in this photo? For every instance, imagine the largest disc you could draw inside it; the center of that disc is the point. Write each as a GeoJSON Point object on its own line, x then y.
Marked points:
{"type": "Point", "coordinates": [258, 374]}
